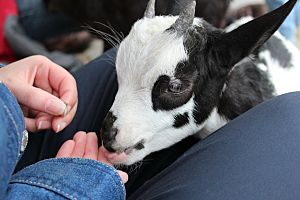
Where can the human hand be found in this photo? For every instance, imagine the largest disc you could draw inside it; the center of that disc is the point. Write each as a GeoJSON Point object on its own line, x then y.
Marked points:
{"type": "Point", "coordinates": [46, 92]}
{"type": "Point", "coordinates": [85, 145]}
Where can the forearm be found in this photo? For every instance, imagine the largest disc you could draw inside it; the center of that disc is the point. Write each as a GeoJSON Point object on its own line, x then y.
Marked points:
{"type": "Point", "coordinates": [12, 129]}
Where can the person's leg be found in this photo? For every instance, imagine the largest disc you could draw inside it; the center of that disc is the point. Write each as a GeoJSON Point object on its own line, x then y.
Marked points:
{"type": "Point", "coordinates": [97, 87]}
{"type": "Point", "coordinates": [256, 156]}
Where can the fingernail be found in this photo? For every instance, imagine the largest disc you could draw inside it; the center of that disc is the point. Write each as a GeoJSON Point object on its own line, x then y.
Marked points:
{"type": "Point", "coordinates": [44, 125]}
{"type": "Point", "coordinates": [61, 126]}
{"type": "Point", "coordinates": [55, 107]}
{"type": "Point", "coordinates": [67, 109]}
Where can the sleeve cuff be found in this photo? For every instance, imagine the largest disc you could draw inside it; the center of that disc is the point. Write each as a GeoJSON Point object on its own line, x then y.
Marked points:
{"type": "Point", "coordinates": [74, 178]}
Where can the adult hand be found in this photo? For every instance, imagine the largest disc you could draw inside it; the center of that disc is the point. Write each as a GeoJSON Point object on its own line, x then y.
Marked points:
{"type": "Point", "coordinates": [85, 145]}
{"type": "Point", "coordinates": [46, 92]}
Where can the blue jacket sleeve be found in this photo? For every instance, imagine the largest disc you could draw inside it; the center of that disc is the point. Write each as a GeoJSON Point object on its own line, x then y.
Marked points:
{"type": "Point", "coordinates": [67, 178]}
{"type": "Point", "coordinates": [12, 129]}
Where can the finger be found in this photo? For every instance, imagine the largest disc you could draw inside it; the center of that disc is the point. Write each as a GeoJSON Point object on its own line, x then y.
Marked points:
{"type": "Point", "coordinates": [48, 76]}
{"type": "Point", "coordinates": [66, 149]}
{"type": "Point", "coordinates": [25, 110]}
{"type": "Point", "coordinates": [40, 100]}
{"type": "Point", "coordinates": [123, 175]}
{"type": "Point", "coordinates": [91, 147]}
{"type": "Point", "coordinates": [43, 121]}
{"type": "Point", "coordinates": [80, 143]}
{"type": "Point", "coordinates": [40, 81]}
{"type": "Point", "coordinates": [30, 124]}
{"type": "Point", "coordinates": [51, 75]}
{"type": "Point", "coordinates": [102, 158]}
{"type": "Point", "coordinates": [60, 123]}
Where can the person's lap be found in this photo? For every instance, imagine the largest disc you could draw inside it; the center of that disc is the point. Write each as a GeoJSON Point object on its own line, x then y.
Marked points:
{"type": "Point", "coordinates": [255, 156]}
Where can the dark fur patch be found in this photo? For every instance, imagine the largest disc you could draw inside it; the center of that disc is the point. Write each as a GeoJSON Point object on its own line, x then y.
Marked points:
{"type": "Point", "coordinates": [140, 145]}
{"type": "Point", "coordinates": [246, 86]}
{"type": "Point", "coordinates": [206, 63]}
{"type": "Point", "coordinates": [181, 120]}
{"type": "Point", "coordinates": [108, 133]}
{"type": "Point", "coordinates": [163, 99]}
{"type": "Point", "coordinates": [278, 51]}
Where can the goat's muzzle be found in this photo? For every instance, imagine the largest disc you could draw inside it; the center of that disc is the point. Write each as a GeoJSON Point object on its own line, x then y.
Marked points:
{"type": "Point", "coordinates": [108, 133]}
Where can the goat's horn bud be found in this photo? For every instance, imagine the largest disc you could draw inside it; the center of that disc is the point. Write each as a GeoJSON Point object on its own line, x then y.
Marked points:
{"type": "Point", "coordinates": [150, 10]}
{"type": "Point", "coordinates": [185, 19]}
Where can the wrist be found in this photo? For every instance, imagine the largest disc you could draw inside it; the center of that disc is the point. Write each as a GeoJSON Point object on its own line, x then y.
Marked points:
{"type": "Point", "coordinates": [3, 75]}
{"type": "Point", "coordinates": [1, 65]}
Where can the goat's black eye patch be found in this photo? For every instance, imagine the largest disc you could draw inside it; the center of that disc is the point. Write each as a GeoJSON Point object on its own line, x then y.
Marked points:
{"type": "Point", "coordinates": [164, 99]}
{"type": "Point", "coordinates": [181, 120]}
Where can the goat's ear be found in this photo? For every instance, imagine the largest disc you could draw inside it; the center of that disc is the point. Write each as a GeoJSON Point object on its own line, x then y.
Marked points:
{"type": "Point", "coordinates": [239, 43]}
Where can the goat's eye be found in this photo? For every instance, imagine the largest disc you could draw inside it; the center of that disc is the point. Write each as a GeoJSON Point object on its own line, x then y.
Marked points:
{"type": "Point", "coordinates": [175, 86]}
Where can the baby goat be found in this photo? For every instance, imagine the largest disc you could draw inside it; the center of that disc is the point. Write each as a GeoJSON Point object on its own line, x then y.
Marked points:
{"type": "Point", "coordinates": [179, 76]}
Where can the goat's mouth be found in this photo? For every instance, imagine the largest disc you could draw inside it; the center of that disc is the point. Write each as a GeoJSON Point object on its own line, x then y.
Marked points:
{"type": "Point", "coordinates": [120, 154]}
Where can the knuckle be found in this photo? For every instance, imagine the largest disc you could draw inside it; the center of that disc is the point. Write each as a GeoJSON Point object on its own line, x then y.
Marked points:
{"type": "Point", "coordinates": [39, 59]}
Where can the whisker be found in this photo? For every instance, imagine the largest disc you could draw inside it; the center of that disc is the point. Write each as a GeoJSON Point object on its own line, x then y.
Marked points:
{"type": "Point", "coordinates": [105, 36]}
{"type": "Point", "coordinates": [135, 167]}
{"type": "Point", "coordinates": [114, 31]}
{"type": "Point", "coordinates": [114, 40]}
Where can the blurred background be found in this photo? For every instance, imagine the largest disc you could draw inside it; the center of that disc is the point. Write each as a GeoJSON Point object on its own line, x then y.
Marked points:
{"type": "Point", "coordinates": [74, 32]}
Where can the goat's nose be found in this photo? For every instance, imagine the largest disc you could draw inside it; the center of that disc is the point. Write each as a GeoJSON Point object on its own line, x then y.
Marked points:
{"type": "Point", "coordinates": [108, 138]}
{"type": "Point", "coordinates": [109, 120]}
{"type": "Point", "coordinates": [108, 133]}
{"type": "Point", "coordinates": [108, 147]}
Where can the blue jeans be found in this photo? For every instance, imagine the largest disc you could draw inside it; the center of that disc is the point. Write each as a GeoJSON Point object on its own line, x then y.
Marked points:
{"type": "Point", "coordinates": [292, 22]}
{"type": "Point", "coordinates": [254, 157]}
{"type": "Point", "coordinates": [66, 178]}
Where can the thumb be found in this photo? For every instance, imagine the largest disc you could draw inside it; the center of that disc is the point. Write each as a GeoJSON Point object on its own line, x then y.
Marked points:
{"type": "Point", "coordinates": [39, 100]}
{"type": "Point", "coordinates": [123, 175]}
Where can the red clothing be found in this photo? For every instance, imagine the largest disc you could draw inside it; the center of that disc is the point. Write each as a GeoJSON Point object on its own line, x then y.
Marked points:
{"type": "Point", "coordinates": [7, 7]}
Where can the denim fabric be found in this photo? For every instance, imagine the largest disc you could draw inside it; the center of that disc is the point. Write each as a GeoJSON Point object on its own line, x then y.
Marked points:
{"type": "Point", "coordinates": [12, 127]}
{"type": "Point", "coordinates": [67, 178]}
{"type": "Point", "coordinates": [292, 22]}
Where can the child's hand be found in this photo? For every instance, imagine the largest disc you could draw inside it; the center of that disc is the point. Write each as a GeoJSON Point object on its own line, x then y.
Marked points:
{"type": "Point", "coordinates": [85, 145]}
